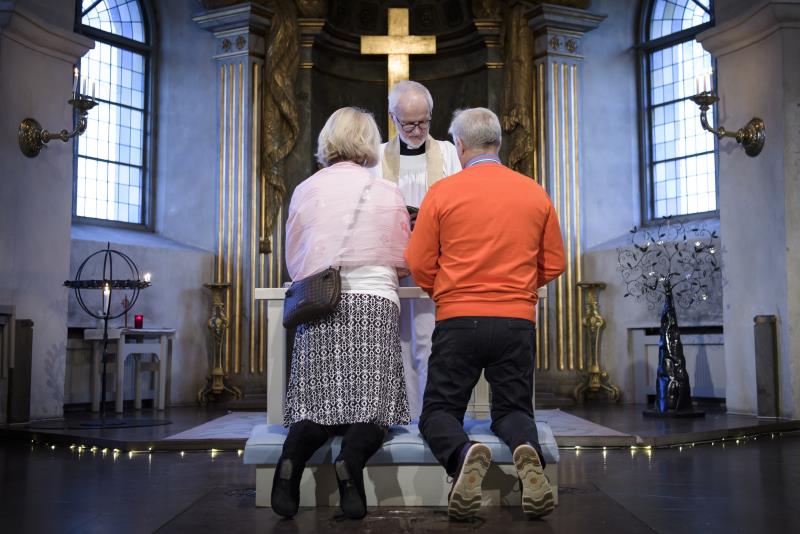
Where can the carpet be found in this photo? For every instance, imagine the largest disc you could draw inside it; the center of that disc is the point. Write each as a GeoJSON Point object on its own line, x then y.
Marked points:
{"type": "Point", "coordinates": [568, 429]}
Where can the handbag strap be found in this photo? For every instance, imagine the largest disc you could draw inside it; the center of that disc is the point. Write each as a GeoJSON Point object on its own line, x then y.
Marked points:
{"type": "Point", "coordinates": [352, 224]}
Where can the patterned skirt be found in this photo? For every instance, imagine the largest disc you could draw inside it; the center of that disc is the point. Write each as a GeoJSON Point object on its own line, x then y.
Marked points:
{"type": "Point", "coordinates": [347, 368]}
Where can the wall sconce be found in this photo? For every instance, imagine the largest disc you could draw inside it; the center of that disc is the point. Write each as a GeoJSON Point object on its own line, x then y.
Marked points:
{"type": "Point", "coordinates": [751, 137]}
{"type": "Point", "coordinates": [32, 137]}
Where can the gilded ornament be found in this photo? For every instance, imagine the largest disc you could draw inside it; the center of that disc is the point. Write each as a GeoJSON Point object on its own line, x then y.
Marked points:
{"type": "Point", "coordinates": [572, 46]}
{"type": "Point", "coordinates": [281, 124]}
{"type": "Point", "coordinates": [516, 115]}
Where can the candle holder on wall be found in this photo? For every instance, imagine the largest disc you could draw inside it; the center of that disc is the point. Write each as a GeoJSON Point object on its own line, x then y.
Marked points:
{"type": "Point", "coordinates": [751, 137]}
{"type": "Point", "coordinates": [218, 324]}
{"type": "Point", "coordinates": [32, 137]}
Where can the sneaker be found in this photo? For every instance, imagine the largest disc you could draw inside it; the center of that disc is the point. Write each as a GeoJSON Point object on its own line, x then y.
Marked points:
{"type": "Point", "coordinates": [537, 497]}
{"type": "Point", "coordinates": [465, 497]}
{"type": "Point", "coordinates": [352, 498]}
{"type": "Point", "coordinates": [285, 498]}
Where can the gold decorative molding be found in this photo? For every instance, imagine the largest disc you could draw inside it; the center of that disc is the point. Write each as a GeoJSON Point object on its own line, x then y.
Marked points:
{"type": "Point", "coordinates": [281, 124]}
{"type": "Point", "coordinates": [557, 34]}
{"type": "Point", "coordinates": [516, 115]}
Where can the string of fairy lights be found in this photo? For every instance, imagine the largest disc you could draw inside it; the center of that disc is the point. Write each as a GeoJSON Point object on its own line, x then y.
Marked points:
{"type": "Point", "coordinates": [647, 450]}
{"type": "Point", "coordinates": [94, 450]}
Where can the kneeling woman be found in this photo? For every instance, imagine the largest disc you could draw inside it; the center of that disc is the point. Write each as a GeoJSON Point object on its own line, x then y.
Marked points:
{"type": "Point", "coordinates": [346, 371]}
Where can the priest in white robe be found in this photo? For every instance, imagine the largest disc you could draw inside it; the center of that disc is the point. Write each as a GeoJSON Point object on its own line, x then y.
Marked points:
{"type": "Point", "coordinates": [414, 161]}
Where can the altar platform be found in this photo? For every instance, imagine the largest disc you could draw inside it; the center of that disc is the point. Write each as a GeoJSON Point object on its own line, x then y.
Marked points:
{"type": "Point", "coordinates": [204, 428]}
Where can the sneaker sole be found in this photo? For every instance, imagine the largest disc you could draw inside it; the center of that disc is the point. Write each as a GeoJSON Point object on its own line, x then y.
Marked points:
{"type": "Point", "coordinates": [465, 500]}
{"type": "Point", "coordinates": [537, 496]}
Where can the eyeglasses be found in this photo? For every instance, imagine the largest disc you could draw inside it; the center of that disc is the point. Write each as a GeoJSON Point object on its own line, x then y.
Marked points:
{"type": "Point", "coordinates": [409, 127]}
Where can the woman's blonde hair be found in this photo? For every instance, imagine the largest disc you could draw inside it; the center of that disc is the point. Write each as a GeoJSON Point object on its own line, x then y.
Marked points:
{"type": "Point", "coordinates": [349, 134]}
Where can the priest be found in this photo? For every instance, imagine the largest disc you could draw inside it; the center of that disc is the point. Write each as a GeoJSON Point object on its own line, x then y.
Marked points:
{"type": "Point", "coordinates": [415, 161]}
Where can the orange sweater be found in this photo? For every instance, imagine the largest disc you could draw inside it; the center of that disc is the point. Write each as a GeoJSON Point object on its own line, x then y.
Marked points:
{"type": "Point", "coordinates": [485, 239]}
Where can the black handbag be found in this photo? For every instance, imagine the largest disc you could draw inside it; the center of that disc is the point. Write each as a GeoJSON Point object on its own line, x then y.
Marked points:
{"type": "Point", "coordinates": [312, 298]}
{"type": "Point", "coordinates": [316, 296]}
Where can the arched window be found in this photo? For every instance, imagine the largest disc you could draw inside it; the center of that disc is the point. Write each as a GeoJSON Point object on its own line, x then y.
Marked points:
{"type": "Point", "coordinates": [112, 178]}
{"type": "Point", "coordinates": [679, 160]}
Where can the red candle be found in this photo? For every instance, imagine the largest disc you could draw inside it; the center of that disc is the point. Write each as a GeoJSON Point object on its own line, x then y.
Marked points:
{"type": "Point", "coordinates": [138, 320]}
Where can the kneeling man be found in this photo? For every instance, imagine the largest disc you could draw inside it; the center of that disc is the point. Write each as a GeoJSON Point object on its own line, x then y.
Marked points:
{"type": "Point", "coordinates": [485, 239]}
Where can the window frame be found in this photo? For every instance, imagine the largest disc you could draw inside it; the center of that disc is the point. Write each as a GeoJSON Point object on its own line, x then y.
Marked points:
{"type": "Point", "coordinates": [645, 47]}
{"type": "Point", "coordinates": [148, 50]}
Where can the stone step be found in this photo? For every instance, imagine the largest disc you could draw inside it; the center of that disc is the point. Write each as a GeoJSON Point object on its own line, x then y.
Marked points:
{"type": "Point", "coordinates": [403, 472]}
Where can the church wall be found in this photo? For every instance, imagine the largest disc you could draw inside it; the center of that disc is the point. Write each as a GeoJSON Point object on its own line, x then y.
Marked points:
{"type": "Point", "coordinates": [36, 60]}
{"type": "Point", "coordinates": [759, 196]}
{"type": "Point", "coordinates": [60, 13]}
{"type": "Point", "coordinates": [610, 195]}
{"type": "Point", "coordinates": [179, 253]}
{"type": "Point", "coordinates": [754, 259]}
{"type": "Point", "coordinates": [790, 385]}
{"type": "Point", "coordinates": [176, 299]}
{"type": "Point", "coordinates": [610, 176]}
{"type": "Point", "coordinates": [186, 163]}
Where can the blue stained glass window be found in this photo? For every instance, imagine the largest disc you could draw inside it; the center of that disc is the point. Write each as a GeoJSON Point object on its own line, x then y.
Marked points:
{"type": "Point", "coordinates": [120, 17]}
{"type": "Point", "coordinates": [111, 154]}
{"type": "Point", "coordinates": [671, 16]}
{"type": "Point", "coordinates": [681, 155]}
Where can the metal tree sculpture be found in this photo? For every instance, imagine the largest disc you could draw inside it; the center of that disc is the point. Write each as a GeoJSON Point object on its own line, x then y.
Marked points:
{"type": "Point", "coordinates": [672, 263]}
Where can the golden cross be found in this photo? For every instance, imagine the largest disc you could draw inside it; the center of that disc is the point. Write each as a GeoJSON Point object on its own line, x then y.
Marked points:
{"type": "Point", "coordinates": [398, 45]}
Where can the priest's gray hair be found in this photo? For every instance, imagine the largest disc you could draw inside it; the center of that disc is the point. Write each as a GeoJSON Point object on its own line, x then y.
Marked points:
{"type": "Point", "coordinates": [405, 87]}
{"type": "Point", "coordinates": [349, 134]}
{"type": "Point", "coordinates": [476, 128]}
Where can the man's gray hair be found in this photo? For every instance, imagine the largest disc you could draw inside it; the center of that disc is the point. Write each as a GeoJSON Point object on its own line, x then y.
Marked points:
{"type": "Point", "coordinates": [405, 87]}
{"type": "Point", "coordinates": [476, 127]}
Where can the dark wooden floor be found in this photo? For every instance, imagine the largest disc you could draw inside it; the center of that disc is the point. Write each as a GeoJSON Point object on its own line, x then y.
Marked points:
{"type": "Point", "coordinates": [749, 487]}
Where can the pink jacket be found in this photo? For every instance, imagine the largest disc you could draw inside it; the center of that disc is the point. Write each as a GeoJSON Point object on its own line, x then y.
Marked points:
{"type": "Point", "coordinates": [322, 210]}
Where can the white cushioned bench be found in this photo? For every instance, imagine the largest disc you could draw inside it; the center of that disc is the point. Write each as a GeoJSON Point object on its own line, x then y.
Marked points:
{"type": "Point", "coordinates": [403, 472]}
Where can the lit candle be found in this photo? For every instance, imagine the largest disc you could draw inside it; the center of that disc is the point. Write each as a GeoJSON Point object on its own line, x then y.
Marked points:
{"type": "Point", "coordinates": [138, 321]}
{"type": "Point", "coordinates": [106, 299]}
{"type": "Point", "coordinates": [707, 81]}
{"type": "Point", "coordinates": [75, 75]}
{"type": "Point", "coordinates": [147, 277]}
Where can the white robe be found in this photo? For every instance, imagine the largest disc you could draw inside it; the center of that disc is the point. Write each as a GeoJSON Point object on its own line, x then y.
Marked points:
{"type": "Point", "coordinates": [415, 342]}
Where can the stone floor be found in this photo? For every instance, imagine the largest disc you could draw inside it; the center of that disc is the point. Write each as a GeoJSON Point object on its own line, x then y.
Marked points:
{"type": "Point", "coordinates": [749, 487]}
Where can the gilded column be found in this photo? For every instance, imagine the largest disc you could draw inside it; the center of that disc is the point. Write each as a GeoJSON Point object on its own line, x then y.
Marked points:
{"type": "Point", "coordinates": [241, 34]}
{"type": "Point", "coordinates": [558, 32]}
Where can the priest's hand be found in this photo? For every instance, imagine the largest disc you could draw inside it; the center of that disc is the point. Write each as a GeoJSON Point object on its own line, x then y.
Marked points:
{"type": "Point", "coordinates": [412, 219]}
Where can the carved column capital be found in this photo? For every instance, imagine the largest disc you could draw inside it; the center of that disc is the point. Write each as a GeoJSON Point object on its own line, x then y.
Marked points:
{"type": "Point", "coordinates": [240, 30]}
{"type": "Point", "coordinates": [558, 30]}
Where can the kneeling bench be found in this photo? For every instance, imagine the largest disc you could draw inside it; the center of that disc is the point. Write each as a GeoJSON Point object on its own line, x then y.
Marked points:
{"type": "Point", "coordinates": [403, 472]}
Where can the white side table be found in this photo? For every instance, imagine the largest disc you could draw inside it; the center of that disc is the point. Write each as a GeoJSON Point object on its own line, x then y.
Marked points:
{"type": "Point", "coordinates": [136, 341]}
